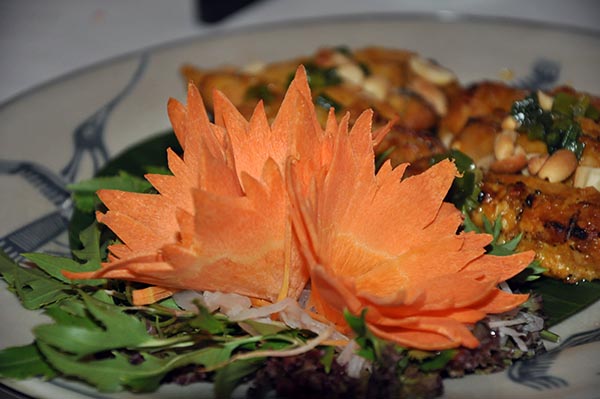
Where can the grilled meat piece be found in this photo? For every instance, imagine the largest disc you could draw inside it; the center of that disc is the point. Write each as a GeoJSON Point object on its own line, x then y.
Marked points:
{"type": "Point", "coordinates": [384, 80]}
{"type": "Point", "coordinates": [559, 222]}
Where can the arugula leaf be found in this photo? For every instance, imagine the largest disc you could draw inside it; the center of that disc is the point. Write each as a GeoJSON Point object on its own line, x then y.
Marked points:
{"type": "Point", "coordinates": [72, 312]}
{"type": "Point", "coordinates": [207, 322]}
{"type": "Point", "coordinates": [116, 330]}
{"type": "Point", "coordinates": [90, 253]}
{"type": "Point", "coordinates": [33, 287]}
{"type": "Point", "coordinates": [119, 372]}
{"type": "Point", "coordinates": [22, 362]}
{"type": "Point", "coordinates": [53, 265]}
{"type": "Point", "coordinates": [230, 376]}
{"type": "Point", "coordinates": [110, 375]}
{"type": "Point", "coordinates": [90, 242]}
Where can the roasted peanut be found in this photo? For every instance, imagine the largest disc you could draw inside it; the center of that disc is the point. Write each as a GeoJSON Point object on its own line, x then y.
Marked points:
{"type": "Point", "coordinates": [375, 86]}
{"type": "Point", "coordinates": [535, 163]}
{"type": "Point", "coordinates": [504, 144]}
{"type": "Point", "coordinates": [545, 100]}
{"type": "Point", "coordinates": [430, 93]}
{"type": "Point", "coordinates": [351, 73]}
{"type": "Point", "coordinates": [254, 68]}
{"type": "Point", "coordinates": [430, 71]}
{"type": "Point", "coordinates": [558, 166]}
{"type": "Point", "coordinates": [509, 123]}
{"type": "Point", "coordinates": [513, 164]}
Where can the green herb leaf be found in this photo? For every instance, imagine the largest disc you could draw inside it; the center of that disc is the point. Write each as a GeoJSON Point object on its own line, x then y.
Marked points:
{"type": "Point", "coordinates": [71, 312]}
{"type": "Point", "coordinates": [229, 377]}
{"type": "Point", "coordinates": [53, 265]}
{"type": "Point", "coordinates": [90, 241]}
{"type": "Point", "coordinates": [558, 128]}
{"type": "Point", "coordinates": [319, 77]}
{"type": "Point", "coordinates": [34, 288]}
{"type": "Point", "coordinates": [90, 254]}
{"type": "Point", "coordinates": [439, 361]}
{"type": "Point", "coordinates": [370, 346]}
{"type": "Point", "coordinates": [465, 189]}
{"type": "Point", "coordinates": [561, 300]}
{"type": "Point", "coordinates": [113, 374]}
{"type": "Point", "coordinates": [22, 362]}
{"type": "Point", "coordinates": [327, 358]}
{"type": "Point", "coordinates": [206, 322]}
{"type": "Point", "coordinates": [260, 92]}
{"type": "Point", "coordinates": [533, 270]}
{"type": "Point", "coordinates": [265, 328]}
{"type": "Point", "coordinates": [116, 329]}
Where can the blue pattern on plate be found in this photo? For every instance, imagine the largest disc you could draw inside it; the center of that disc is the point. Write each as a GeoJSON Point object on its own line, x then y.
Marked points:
{"type": "Point", "coordinates": [543, 76]}
{"type": "Point", "coordinates": [534, 372]}
{"type": "Point", "coordinates": [88, 139]}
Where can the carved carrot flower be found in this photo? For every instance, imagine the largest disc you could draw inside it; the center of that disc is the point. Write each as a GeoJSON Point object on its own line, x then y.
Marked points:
{"type": "Point", "coordinates": [391, 247]}
{"type": "Point", "coordinates": [221, 221]}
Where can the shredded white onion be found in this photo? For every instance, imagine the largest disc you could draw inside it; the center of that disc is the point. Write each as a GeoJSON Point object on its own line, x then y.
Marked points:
{"type": "Point", "coordinates": [185, 299]}
{"type": "Point", "coordinates": [529, 322]}
{"type": "Point", "coordinates": [506, 323]}
{"type": "Point", "coordinates": [355, 364]}
{"type": "Point", "coordinates": [534, 322]}
{"type": "Point", "coordinates": [263, 311]}
{"type": "Point", "coordinates": [230, 305]}
{"type": "Point", "coordinates": [516, 337]}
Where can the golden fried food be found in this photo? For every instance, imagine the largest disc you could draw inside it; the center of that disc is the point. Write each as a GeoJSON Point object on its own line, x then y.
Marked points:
{"type": "Point", "coordinates": [398, 85]}
{"type": "Point", "coordinates": [560, 223]}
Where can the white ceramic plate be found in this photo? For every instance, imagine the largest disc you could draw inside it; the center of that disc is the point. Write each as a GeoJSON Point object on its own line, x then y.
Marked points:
{"type": "Point", "coordinates": [64, 130]}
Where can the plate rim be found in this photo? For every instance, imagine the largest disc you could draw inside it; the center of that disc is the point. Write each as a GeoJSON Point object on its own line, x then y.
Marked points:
{"type": "Point", "coordinates": [221, 31]}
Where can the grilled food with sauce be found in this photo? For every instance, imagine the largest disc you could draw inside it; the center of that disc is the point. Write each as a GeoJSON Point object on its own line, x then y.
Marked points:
{"type": "Point", "coordinates": [534, 181]}
{"type": "Point", "coordinates": [559, 222]}
{"type": "Point", "coordinates": [539, 187]}
{"type": "Point", "coordinates": [398, 85]}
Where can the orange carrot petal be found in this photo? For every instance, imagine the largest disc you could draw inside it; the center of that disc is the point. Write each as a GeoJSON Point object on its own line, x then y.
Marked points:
{"type": "Point", "coordinates": [502, 268]}
{"type": "Point", "coordinates": [149, 295]}
{"type": "Point", "coordinates": [500, 301]}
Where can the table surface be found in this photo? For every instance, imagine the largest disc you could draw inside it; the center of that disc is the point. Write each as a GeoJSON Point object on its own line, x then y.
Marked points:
{"type": "Point", "coordinates": [41, 40]}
